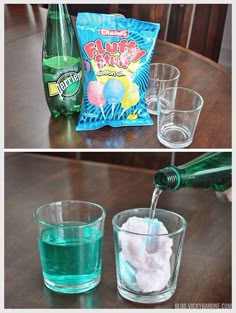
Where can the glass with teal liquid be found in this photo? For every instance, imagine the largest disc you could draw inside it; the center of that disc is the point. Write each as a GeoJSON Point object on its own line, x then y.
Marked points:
{"type": "Point", "coordinates": [70, 239]}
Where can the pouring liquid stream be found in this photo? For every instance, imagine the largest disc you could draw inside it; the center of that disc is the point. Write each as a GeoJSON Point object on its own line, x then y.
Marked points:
{"type": "Point", "coordinates": [155, 197]}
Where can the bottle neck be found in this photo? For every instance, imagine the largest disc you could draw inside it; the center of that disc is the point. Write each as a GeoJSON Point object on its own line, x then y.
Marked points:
{"type": "Point", "coordinates": [58, 13]}
{"type": "Point", "coordinates": [217, 178]}
{"type": "Point", "coordinates": [168, 178]}
{"type": "Point", "coordinates": [62, 8]}
{"type": "Point", "coordinates": [59, 37]}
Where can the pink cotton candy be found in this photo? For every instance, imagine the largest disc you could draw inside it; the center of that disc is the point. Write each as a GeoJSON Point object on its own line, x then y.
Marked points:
{"type": "Point", "coordinates": [152, 269]}
{"type": "Point", "coordinates": [149, 281]}
{"type": "Point", "coordinates": [95, 93]}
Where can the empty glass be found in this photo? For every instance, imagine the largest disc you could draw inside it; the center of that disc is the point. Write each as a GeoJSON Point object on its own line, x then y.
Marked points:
{"type": "Point", "coordinates": [178, 113]}
{"type": "Point", "coordinates": [161, 76]}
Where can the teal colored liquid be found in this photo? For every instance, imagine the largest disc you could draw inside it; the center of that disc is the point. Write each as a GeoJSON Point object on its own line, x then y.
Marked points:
{"type": "Point", "coordinates": [71, 257]}
{"type": "Point", "coordinates": [53, 68]}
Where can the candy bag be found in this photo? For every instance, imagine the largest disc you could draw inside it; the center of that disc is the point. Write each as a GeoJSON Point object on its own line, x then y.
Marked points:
{"type": "Point", "coordinates": [117, 52]}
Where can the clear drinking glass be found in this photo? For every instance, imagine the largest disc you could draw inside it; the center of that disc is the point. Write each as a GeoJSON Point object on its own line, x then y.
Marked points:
{"type": "Point", "coordinates": [178, 113]}
{"type": "Point", "coordinates": [161, 76]}
{"type": "Point", "coordinates": [147, 263]}
{"type": "Point", "coordinates": [70, 240]}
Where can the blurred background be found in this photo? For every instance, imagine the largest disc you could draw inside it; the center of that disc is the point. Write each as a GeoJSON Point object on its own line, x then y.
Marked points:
{"type": "Point", "coordinates": [147, 160]}
{"type": "Point", "coordinates": [204, 28]}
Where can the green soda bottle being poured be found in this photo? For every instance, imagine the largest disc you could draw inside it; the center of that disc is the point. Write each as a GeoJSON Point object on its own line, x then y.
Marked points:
{"type": "Point", "coordinates": [61, 64]}
{"type": "Point", "coordinates": [212, 170]}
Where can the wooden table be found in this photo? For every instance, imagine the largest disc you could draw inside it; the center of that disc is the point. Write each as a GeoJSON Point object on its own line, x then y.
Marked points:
{"type": "Point", "coordinates": [28, 123]}
{"type": "Point", "coordinates": [32, 180]}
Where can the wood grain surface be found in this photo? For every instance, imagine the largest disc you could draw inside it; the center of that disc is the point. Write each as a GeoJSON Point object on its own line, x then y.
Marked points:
{"type": "Point", "coordinates": [28, 123]}
{"type": "Point", "coordinates": [32, 180]}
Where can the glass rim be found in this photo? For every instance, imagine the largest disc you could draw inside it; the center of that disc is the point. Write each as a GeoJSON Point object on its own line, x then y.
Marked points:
{"type": "Point", "coordinates": [200, 105]}
{"type": "Point", "coordinates": [180, 230]}
{"type": "Point", "coordinates": [40, 221]}
{"type": "Point", "coordinates": [166, 80]}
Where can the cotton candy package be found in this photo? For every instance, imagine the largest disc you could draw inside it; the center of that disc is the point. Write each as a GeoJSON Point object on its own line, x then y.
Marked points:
{"type": "Point", "coordinates": [117, 52]}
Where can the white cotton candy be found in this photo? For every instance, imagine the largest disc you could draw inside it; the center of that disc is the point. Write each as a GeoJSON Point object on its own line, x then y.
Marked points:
{"type": "Point", "coordinates": [147, 256]}
{"type": "Point", "coordinates": [149, 281]}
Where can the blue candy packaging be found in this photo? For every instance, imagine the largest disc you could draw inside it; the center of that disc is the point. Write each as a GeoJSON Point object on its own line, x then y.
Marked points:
{"type": "Point", "coordinates": [117, 53]}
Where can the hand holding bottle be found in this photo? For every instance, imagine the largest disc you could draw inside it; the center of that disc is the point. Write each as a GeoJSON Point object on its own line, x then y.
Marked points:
{"type": "Point", "coordinates": [225, 196]}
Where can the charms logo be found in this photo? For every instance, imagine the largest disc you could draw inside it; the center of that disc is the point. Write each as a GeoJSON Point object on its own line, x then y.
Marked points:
{"type": "Point", "coordinates": [114, 32]}
{"type": "Point", "coordinates": [67, 85]}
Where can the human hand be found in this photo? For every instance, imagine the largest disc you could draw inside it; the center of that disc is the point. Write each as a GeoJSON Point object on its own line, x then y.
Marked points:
{"type": "Point", "coordinates": [225, 196]}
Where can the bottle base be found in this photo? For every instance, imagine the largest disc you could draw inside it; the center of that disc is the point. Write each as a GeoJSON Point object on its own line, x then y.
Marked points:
{"type": "Point", "coordinates": [69, 116]}
{"type": "Point", "coordinates": [55, 114]}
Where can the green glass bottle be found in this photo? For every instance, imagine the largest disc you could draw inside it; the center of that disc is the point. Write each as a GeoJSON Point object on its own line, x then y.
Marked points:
{"type": "Point", "coordinates": [61, 63]}
{"type": "Point", "coordinates": [212, 170]}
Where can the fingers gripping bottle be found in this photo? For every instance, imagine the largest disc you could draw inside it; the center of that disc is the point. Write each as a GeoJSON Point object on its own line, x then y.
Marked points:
{"type": "Point", "coordinates": [212, 170]}
{"type": "Point", "coordinates": [61, 63]}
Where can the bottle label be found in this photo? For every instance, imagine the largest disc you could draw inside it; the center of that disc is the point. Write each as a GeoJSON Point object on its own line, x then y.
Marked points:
{"type": "Point", "coordinates": [67, 85]}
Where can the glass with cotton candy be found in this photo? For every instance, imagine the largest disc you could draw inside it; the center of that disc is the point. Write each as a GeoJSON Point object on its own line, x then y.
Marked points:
{"type": "Point", "coordinates": [148, 253]}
